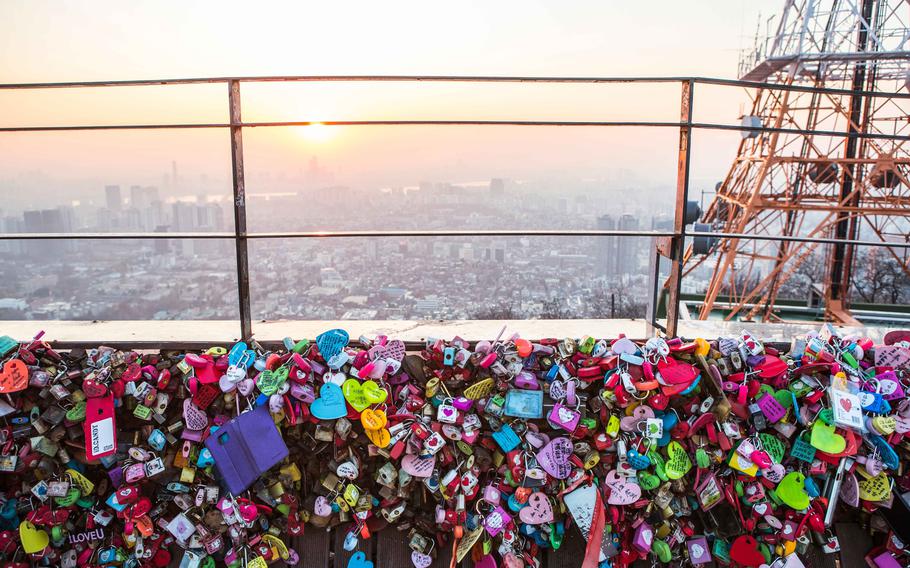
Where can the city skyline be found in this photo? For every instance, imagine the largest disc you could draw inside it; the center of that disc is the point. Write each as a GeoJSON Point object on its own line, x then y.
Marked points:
{"type": "Point", "coordinates": [406, 278]}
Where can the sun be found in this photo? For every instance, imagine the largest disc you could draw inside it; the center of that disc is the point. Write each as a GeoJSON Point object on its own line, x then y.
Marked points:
{"type": "Point", "coordinates": [316, 132]}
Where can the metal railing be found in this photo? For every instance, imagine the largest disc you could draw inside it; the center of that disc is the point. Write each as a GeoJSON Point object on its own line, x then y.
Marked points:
{"type": "Point", "coordinates": [241, 236]}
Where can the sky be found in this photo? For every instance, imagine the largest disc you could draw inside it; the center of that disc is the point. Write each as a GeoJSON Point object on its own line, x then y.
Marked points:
{"type": "Point", "coordinates": [64, 41]}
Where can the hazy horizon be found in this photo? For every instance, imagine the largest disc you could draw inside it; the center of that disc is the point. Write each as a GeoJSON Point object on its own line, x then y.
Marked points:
{"type": "Point", "coordinates": [44, 41]}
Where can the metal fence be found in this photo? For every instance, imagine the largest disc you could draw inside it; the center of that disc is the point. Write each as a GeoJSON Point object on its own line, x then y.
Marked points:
{"type": "Point", "coordinates": [675, 239]}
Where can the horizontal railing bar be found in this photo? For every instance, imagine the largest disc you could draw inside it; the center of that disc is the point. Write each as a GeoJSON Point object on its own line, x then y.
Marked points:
{"type": "Point", "coordinates": [112, 236]}
{"type": "Point", "coordinates": [441, 233]}
{"type": "Point", "coordinates": [287, 123]}
{"type": "Point", "coordinates": [178, 126]}
{"type": "Point", "coordinates": [341, 78]}
{"type": "Point", "coordinates": [335, 234]}
{"type": "Point", "coordinates": [444, 79]}
{"type": "Point", "coordinates": [606, 123]}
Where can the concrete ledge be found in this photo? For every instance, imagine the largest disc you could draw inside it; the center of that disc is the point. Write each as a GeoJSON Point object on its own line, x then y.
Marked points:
{"type": "Point", "coordinates": [226, 331]}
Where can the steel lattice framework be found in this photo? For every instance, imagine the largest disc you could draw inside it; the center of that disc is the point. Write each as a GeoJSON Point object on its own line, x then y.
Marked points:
{"type": "Point", "coordinates": [812, 183]}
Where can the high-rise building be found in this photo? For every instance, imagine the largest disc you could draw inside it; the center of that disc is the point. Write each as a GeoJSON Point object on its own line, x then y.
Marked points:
{"type": "Point", "coordinates": [113, 198]}
{"type": "Point", "coordinates": [137, 197]}
{"type": "Point", "coordinates": [162, 246]}
{"type": "Point", "coordinates": [12, 224]}
{"type": "Point", "coordinates": [184, 216]}
{"type": "Point", "coordinates": [185, 220]}
{"type": "Point", "coordinates": [59, 220]}
{"type": "Point", "coordinates": [607, 259]}
{"type": "Point", "coordinates": [628, 248]}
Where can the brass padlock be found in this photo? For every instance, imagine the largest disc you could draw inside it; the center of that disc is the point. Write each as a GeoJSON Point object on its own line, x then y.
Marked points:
{"type": "Point", "coordinates": [592, 458]}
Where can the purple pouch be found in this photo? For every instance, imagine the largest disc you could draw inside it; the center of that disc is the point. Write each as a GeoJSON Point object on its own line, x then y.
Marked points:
{"type": "Point", "coordinates": [245, 447]}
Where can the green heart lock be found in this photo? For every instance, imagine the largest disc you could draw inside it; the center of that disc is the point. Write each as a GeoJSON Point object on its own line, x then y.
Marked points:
{"type": "Point", "coordinates": [648, 481]}
{"type": "Point", "coordinates": [784, 397]}
{"type": "Point", "coordinates": [72, 495]}
{"type": "Point", "coordinates": [824, 438]}
{"type": "Point", "coordinates": [660, 465]}
{"type": "Point", "coordinates": [662, 550]}
{"type": "Point", "coordinates": [800, 389]}
{"type": "Point", "coordinates": [792, 491]}
{"type": "Point", "coordinates": [269, 382]}
{"type": "Point", "coordinates": [774, 446]}
{"type": "Point", "coordinates": [361, 396]}
{"type": "Point", "coordinates": [556, 539]}
{"type": "Point", "coordinates": [77, 412]}
{"type": "Point", "coordinates": [702, 458]}
{"type": "Point", "coordinates": [678, 462]}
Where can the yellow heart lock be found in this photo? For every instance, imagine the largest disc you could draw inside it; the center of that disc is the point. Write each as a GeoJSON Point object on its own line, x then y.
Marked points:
{"type": "Point", "coordinates": [884, 424]}
{"type": "Point", "coordinates": [875, 489]}
{"type": "Point", "coordinates": [380, 438]}
{"type": "Point", "coordinates": [480, 389]}
{"type": "Point", "coordinates": [373, 419]}
{"type": "Point", "coordinates": [33, 539]}
{"type": "Point", "coordinates": [85, 486]}
{"type": "Point", "coordinates": [278, 547]}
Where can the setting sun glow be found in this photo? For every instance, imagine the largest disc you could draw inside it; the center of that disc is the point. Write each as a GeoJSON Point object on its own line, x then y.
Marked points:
{"type": "Point", "coordinates": [316, 132]}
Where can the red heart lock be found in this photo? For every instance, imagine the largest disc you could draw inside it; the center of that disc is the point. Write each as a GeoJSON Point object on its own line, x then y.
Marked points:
{"type": "Point", "coordinates": [13, 376]}
{"type": "Point", "coordinates": [248, 512]}
{"type": "Point", "coordinates": [771, 367]}
{"type": "Point", "coordinates": [132, 373]}
{"type": "Point", "coordinates": [744, 552]}
{"type": "Point", "coordinates": [161, 558]}
{"type": "Point", "coordinates": [659, 401]}
{"type": "Point", "coordinates": [127, 494]}
{"type": "Point", "coordinates": [118, 387]}
{"type": "Point", "coordinates": [674, 372]}
{"type": "Point", "coordinates": [142, 506]}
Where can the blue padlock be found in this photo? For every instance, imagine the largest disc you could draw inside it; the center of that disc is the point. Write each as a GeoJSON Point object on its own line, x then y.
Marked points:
{"type": "Point", "coordinates": [811, 487]}
{"type": "Point", "coordinates": [157, 440]}
{"type": "Point", "coordinates": [886, 453]}
{"type": "Point", "coordinates": [205, 458]}
{"type": "Point", "coordinates": [506, 438]}
{"type": "Point", "coordinates": [670, 420]}
{"type": "Point", "coordinates": [637, 460]}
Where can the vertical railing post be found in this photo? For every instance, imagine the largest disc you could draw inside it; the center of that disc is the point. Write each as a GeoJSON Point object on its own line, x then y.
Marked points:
{"type": "Point", "coordinates": [678, 241]}
{"type": "Point", "coordinates": [240, 240]}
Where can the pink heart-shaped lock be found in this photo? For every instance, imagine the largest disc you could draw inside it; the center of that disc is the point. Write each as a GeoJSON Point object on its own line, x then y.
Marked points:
{"type": "Point", "coordinates": [193, 416]}
{"type": "Point", "coordinates": [554, 458]}
{"type": "Point", "coordinates": [394, 349]}
{"type": "Point", "coordinates": [245, 387]}
{"type": "Point", "coordinates": [624, 345]}
{"type": "Point", "coordinates": [621, 491]}
{"type": "Point", "coordinates": [640, 414]}
{"type": "Point", "coordinates": [538, 510]}
{"type": "Point", "coordinates": [421, 560]}
{"type": "Point", "coordinates": [248, 512]}
{"type": "Point", "coordinates": [322, 507]}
